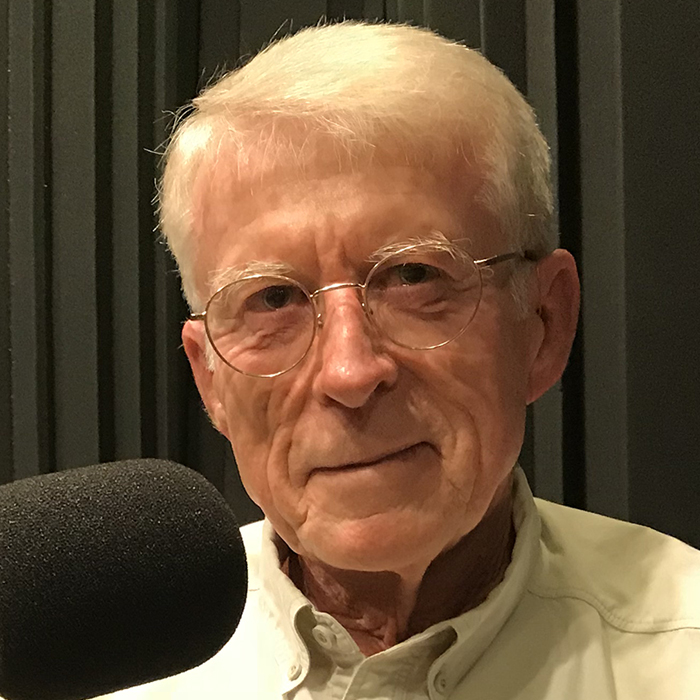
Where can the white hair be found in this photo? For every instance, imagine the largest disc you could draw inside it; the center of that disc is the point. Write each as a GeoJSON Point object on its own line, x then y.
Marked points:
{"type": "Point", "coordinates": [352, 92]}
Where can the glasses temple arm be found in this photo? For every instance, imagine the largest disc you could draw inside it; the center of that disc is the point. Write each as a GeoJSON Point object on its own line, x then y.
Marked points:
{"type": "Point", "coordinates": [529, 255]}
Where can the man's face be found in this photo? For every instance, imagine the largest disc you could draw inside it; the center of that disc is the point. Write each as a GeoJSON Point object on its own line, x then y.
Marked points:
{"type": "Point", "coordinates": [367, 456]}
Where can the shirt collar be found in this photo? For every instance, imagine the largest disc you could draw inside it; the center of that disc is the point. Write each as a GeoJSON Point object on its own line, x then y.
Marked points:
{"type": "Point", "coordinates": [473, 631]}
{"type": "Point", "coordinates": [477, 628]}
{"type": "Point", "coordinates": [281, 602]}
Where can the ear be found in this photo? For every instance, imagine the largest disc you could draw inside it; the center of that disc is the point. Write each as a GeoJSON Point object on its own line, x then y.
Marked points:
{"type": "Point", "coordinates": [557, 304]}
{"type": "Point", "coordinates": [194, 341]}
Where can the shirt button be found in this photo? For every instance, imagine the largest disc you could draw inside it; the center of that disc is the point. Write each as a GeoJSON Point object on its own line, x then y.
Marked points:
{"type": "Point", "coordinates": [441, 683]}
{"type": "Point", "coordinates": [324, 636]}
{"type": "Point", "coordinates": [294, 672]}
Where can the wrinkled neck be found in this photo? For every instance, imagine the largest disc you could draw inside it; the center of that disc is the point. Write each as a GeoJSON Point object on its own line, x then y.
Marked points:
{"type": "Point", "coordinates": [380, 609]}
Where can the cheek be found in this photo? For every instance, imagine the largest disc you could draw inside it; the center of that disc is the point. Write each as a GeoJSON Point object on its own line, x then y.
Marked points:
{"type": "Point", "coordinates": [262, 415]}
{"type": "Point", "coordinates": [479, 384]}
{"type": "Point", "coordinates": [248, 429]}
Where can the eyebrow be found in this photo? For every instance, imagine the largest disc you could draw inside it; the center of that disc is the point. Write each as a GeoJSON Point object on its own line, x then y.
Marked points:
{"type": "Point", "coordinates": [228, 275]}
{"type": "Point", "coordinates": [435, 240]}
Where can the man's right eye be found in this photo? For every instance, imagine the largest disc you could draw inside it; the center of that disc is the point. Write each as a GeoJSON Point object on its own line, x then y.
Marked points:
{"type": "Point", "coordinates": [274, 298]}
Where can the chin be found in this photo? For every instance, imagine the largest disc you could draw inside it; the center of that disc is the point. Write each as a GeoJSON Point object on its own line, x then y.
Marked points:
{"type": "Point", "coordinates": [377, 543]}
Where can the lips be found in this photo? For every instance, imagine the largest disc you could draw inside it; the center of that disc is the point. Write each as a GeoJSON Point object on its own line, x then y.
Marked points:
{"type": "Point", "coordinates": [401, 453]}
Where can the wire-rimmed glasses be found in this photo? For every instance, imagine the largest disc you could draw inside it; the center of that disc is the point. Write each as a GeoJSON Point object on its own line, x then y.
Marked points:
{"type": "Point", "coordinates": [420, 297]}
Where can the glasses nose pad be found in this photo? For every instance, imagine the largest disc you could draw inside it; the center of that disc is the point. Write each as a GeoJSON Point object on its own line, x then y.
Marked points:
{"type": "Point", "coordinates": [317, 305]}
{"type": "Point", "coordinates": [318, 300]}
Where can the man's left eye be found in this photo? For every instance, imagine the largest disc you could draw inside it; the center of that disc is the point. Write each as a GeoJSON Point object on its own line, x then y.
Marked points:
{"type": "Point", "coordinates": [276, 297]}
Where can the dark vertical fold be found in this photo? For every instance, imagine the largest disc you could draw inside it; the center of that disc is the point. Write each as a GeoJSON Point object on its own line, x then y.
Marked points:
{"type": "Point", "coordinates": [146, 235]}
{"type": "Point", "coordinates": [544, 429]}
{"type": "Point", "coordinates": [127, 194]}
{"type": "Point", "coordinates": [74, 224]}
{"type": "Point", "coordinates": [176, 76]}
{"type": "Point", "coordinates": [206, 449]}
{"type": "Point", "coordinates": [569, 188]}
{"type": "Point", "coordinates": [6, 467]}
{"type": "Point", "coordinates": [264, 20]}
{"type": "Point", "coordinates": [29, 249]}
{"type": "Point", "coordinates": [104, 230]}
{"type": "Point", "coordinates": [457, 20]}
{"type": "Point", "coordinates": [374, 10]}
{"type": "Point", "coordinates": [219, 38]}
{"type": "Point", "coordinates": [345, 9]}
{"type": "Point", "coordinates": [661, 128]}
{"type": "Point", "coordinates": [503, 38]}
{"type": "Point", "coordinates": [44, 250]}
{"type": "Point", "coordinates": [603, 260]}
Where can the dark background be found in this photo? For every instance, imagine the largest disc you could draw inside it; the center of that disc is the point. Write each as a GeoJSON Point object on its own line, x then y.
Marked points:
{"type": "Point", "coordinates": [91, 367]}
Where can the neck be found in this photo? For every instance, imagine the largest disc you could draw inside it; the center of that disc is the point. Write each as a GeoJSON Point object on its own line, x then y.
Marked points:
{"type": "Point", "coordinates": [380, 609]}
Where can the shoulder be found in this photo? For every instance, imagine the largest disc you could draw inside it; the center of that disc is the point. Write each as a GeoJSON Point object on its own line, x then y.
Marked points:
{"type": "Point", "coordinates": [638, 580]}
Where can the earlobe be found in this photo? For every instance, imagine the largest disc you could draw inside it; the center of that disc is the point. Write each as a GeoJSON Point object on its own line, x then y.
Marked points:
{"type": "Point", "coordinates": [557, 307]}
{"type": "Point", "coordinates": [194, 342]}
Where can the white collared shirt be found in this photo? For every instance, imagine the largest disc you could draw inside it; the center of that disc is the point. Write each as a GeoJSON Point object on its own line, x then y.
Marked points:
{"type": "Point", "coordinates": [589, 609]}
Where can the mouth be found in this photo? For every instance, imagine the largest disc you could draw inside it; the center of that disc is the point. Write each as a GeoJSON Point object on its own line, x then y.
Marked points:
{"type": "Point", "coordinates": [393, 455]}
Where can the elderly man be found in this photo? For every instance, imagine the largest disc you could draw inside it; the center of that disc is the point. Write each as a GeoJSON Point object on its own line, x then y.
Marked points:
{"type": "Point", "coordinates": [362, 217]}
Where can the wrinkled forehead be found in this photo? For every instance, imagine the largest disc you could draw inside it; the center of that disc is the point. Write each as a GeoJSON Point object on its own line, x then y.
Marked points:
{"type": "Point", "coordinates": [236, 166]}
{"type": "Point", "coordinates": [239, 183]}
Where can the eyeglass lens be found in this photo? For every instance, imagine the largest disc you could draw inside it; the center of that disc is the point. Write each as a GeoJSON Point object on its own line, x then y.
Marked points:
{"type": "Point", "coordinates": [417, 299]}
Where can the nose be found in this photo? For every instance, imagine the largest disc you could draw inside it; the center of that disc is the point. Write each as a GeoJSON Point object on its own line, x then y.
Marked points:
{"type": "Point", "coordinates": [353, 366]}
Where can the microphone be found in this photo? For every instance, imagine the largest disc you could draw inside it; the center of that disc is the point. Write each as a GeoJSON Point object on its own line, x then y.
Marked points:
{"type": "Point", "coordinates": [112, 576]}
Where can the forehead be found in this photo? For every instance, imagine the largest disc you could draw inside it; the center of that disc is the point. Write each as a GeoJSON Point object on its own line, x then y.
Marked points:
{"type": "Point", "coordinates": [326, 218]}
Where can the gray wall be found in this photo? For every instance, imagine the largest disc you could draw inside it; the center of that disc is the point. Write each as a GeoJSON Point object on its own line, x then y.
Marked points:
{"type": "Point", "coordinates": [91, 367]}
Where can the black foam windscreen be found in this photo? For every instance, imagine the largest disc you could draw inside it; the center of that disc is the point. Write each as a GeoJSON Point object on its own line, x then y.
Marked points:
{"type": "Point", "coordinates": [112, 576]}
